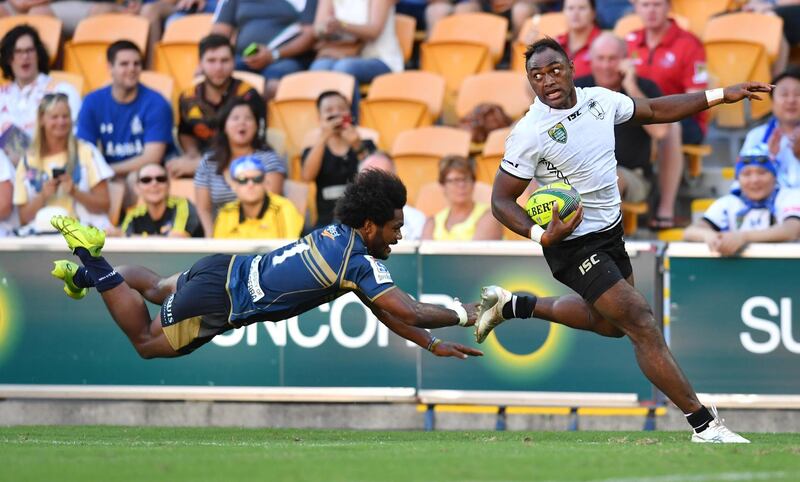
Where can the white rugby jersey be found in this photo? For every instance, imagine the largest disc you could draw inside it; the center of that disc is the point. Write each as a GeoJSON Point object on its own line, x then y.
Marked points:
{"type": "Point", "coordinates": [729, 213]}
{"type": "Point", "coordinates": [575, 146]}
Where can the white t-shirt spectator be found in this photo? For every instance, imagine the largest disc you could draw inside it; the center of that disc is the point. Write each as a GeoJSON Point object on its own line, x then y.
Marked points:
{"type": "Point", "coordinates": [413, 222]}
{"type": "Point", "coordinates": [731, 213]}
{"type": "Point", "coordinates": [18, 106]}
{"type": "Point", "coordinates": [8, 224]}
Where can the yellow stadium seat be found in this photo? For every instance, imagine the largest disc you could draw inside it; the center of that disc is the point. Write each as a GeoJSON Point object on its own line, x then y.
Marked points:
{"type": "Point", "coordinates": [674, 235]}
{"type": "Point", "coordinates": [731, 62]}
{"type": "Point", "coordinates": [417, 153]}
{"type": "Point", "coordinates": [405, 26]}
{"type": "Point", "coordinates": [161, 83]}
{"type": "Point", "coordinates": [509, 89]}
{"type": "Point", "coordinates": [694, 154]}
{"type": "Point", "coordinates": [177, 52]}
{"type": "Point", "coordinates": [85, 55]}
{"type": "Point", "coordinates": [630, 216]}
{"type": "Point", "coordinates": [539, 26]}
{"type": "Point", "coordinates": [256, 81]}
{"type": "Point", "coordinates": [464, 44]}
{"type": "Point", "coordinates": [697, 12]}
{"type": "Point", "coordinates": [294, 110]}
{"type": "Point", "coordinates": [431, 200]}
{"type": "Point", "coordinates": [48, 28]}
{"type": "Point", "coordinates": [492, 155]}
{"type": "Point", "coordinates": [700, 206]}
{"type": "Point", "coordinates": [632, 22]}
{"type": "Point", "coordinates": [183, 187]}
{"type": "Point", "coordinates": [74, 80]}
{"type": "Point", "coordinates": [759, 28]}
{"type": "Point", "coordinates": [402, 101]}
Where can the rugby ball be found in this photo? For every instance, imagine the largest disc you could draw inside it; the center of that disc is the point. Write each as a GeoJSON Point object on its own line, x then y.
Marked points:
{"type": "Point", "coordinates": [539, 205]}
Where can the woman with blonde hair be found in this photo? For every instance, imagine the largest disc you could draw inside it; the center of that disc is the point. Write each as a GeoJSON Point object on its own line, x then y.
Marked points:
{"type": "Point", "coordinates": [61, 170]}
{"type": "Point", "coordinates": [464, 219]}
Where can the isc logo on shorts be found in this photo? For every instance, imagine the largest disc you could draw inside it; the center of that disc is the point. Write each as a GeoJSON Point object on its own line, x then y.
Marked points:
{"type": "Point", "coordinates": [587, 264]}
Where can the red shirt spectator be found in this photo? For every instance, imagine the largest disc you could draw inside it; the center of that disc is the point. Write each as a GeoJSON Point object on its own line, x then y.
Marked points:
{"type": "Point", "coordinates": [677, 64]}
{"type": "Point", "coordinates": [580, 58]}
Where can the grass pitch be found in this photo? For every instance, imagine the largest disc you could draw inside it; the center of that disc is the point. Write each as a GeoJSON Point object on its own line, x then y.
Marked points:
{"type": "Point", "coordinates": [196, 454]}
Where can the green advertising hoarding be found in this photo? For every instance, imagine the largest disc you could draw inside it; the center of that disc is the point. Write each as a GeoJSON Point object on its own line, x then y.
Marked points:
{"type": "Point", "coordinates": [731, 319]}
{"type": "Point", "coordinates": [530, 355]}
{"type": "Point", "coordinates": [47, 338]}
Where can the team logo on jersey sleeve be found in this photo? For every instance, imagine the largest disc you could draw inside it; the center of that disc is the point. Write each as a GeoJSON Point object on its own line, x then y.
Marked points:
{"type": "Point", "coordinates": [597, 110]}
{"type": "Point", "coordinates": [558, 133]}
{"type": "Point", "coordinates": [382, 274]}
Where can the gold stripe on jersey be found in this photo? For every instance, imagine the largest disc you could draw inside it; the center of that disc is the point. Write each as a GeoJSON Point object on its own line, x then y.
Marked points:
{"type": "Point", "coordinates": [183, 332]}
{"type": "Point", "coordinates": [346, 260]}
{"type": "Point", "coordinates": [309, 264]}
{"type": "Point", "coordinates": [326, 269]}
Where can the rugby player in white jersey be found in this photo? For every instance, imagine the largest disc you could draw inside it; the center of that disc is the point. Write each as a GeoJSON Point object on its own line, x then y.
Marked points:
{"type": "Point", "coordinates": [568, 135]}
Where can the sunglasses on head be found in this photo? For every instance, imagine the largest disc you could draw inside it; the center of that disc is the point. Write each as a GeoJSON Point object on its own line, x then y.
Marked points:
{"type": "Point", "coordinates": [754, 160]}
{"type": "Point", "coordinates": [255, 180]}
{"type": "Point", "coordinates": [149, 179]}
{"type": "Point", "coordinates": [54, 96]}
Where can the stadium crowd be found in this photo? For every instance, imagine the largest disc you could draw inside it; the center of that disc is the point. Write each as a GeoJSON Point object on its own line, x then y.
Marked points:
{"type": "Point", "coordinates": [246, 119]}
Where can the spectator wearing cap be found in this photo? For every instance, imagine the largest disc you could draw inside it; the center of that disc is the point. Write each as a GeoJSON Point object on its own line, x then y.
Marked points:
{"type": "Point", "coordinates": [413, 218]}
{"type": "Point", "coordinates": [160, 214]}
{"type": "Point", "coordinates": [237, 136]}
{"type": "Point", "coordinates": [256, 214]}
{"type": "Point", "coordinates": [758, 210]}
{"type": "Point", "coordinates": [780, 136]}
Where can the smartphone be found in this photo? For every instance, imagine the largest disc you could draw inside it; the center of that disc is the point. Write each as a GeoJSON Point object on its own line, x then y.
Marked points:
{"type": "Point", "coordinates": [251, 49]}
{"type": "Point", "coordinates": [347, 119]}
{"type": "Point", "coordinates": [58, 171]}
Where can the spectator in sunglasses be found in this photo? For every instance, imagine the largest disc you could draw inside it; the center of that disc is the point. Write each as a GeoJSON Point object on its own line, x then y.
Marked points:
{"type": "Point", "coordinates": [756, 211]}
{"type": "Point", "coordinates": [61, 170]}
{"type": "Point", "coordinates": [158, 213]}
{"type": "Point", "coordinates": [256, 214]}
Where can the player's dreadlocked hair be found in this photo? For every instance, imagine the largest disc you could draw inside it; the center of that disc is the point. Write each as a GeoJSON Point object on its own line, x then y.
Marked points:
{"type": "Point", "coordinates": [373, 195]}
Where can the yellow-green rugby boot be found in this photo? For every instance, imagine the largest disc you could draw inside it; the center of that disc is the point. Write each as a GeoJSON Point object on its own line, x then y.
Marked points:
{"type": "Point", "coordinates": [65, 270]}
{"type": "Point", "coordinates": [79, 236]}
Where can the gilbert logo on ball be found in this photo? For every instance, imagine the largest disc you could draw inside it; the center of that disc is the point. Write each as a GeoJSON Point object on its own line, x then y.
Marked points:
{"type": "Point", "coordinates": [540, 204]}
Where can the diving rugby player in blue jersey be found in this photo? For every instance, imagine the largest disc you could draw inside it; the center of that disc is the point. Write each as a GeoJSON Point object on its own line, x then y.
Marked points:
{"type": "Point", "coordinates": [222, 292]}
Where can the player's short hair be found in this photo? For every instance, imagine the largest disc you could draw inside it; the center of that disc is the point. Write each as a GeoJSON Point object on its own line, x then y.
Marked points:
{"type": "Point", "coordinates": [213, 42]}
{"type": "Point", "coordinates": [456, 163]}
{"type": "Point", "coordinates": [119, 46]}
{"type": "Point", "coordinates": [373, 195]}
{"type": "Point", "coordinates": [9, 43]}
{"type": "Point", "coordinates": [544, 44]}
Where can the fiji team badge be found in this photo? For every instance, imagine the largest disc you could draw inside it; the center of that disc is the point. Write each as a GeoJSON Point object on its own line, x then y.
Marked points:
{"type": "Point", "coordinates": [558, 133]}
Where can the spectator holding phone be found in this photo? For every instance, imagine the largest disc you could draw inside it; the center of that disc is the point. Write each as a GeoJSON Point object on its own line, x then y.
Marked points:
{"type": "Point", "coordinates": [336, 148]}
{"type": "Point", "coordinates": [60, 170]}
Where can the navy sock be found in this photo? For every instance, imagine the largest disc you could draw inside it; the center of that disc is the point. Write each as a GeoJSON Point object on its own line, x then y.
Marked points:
{"type": "Point", "coordinates": [700, 419]}
{"type": "Point", "coordinates": [99, 271]}
{"type": "Point", "coordinates": [520, 306]}
{"type": "Point", "coordinates": [82, 278]}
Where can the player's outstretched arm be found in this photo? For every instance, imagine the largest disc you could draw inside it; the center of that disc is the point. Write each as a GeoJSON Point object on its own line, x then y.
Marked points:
{"type": "Point", "coordinates": [400, 306]}
{"type": "Point", "coordinates": [505, 191]}
{"type": "Point", "coordinates": [419, 336]}
{"type": "Point", "coordinates": [672, 108]}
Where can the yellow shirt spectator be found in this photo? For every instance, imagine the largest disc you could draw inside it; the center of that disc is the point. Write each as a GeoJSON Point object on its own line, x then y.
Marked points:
{"type": "Point", "coordinates": [278, 219]}
{"type": "Point", "coordinates": [463, 231]}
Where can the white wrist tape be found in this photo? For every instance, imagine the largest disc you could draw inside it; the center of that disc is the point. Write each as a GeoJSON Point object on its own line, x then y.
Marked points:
{"type": "Point", "coordinates": [715, 96]}
{"type": "Point", "coordinates": [536, 233]}
{"type": "Point", "coordinates": [461, 311]}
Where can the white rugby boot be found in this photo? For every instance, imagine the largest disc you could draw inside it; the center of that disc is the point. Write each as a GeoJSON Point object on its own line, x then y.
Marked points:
{"type": "Point", "coordinates": [490, 313]}
{"type": "Point", "coordinates": [718, 433]}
